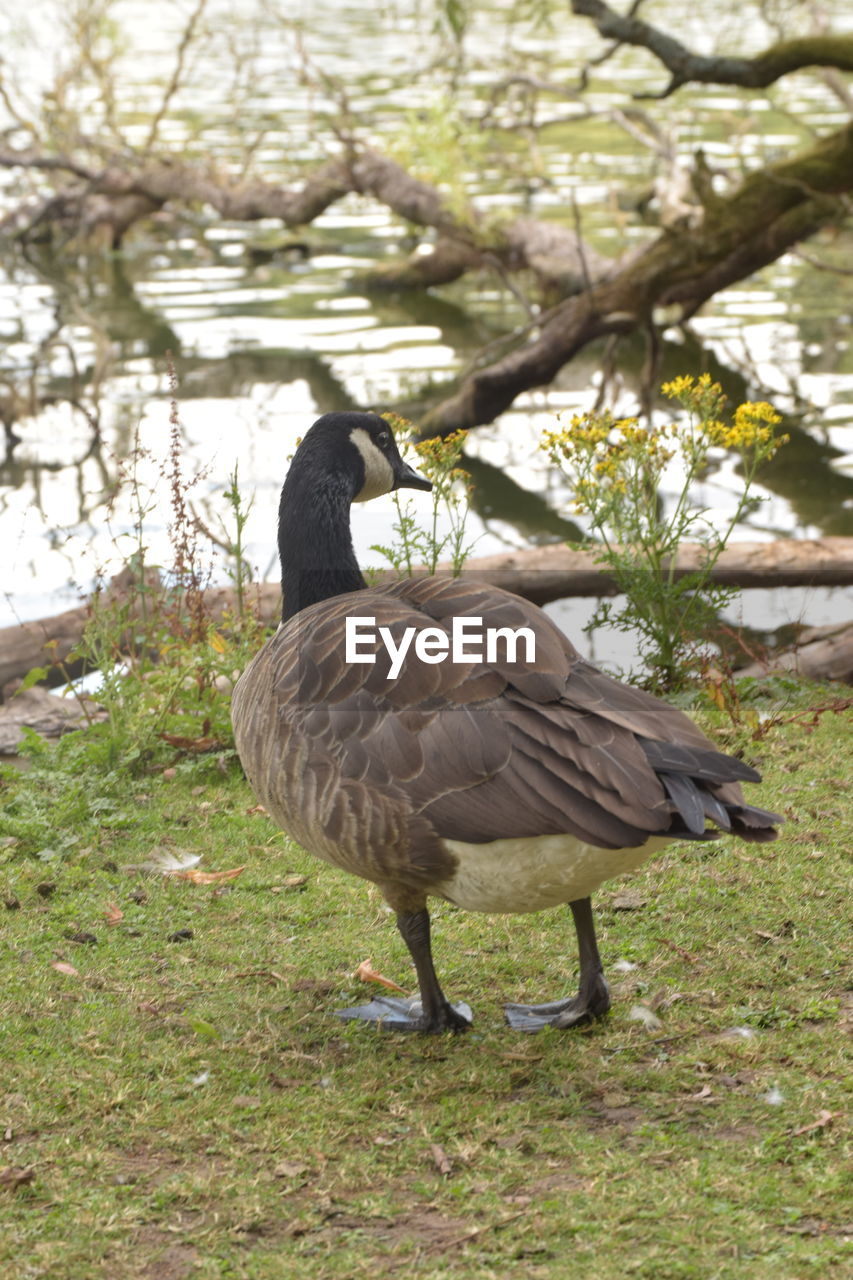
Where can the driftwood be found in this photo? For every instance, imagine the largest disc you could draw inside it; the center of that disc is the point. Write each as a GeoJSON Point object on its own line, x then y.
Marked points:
{"type": "Point", "coordinates": [48, 714]}
{"type": "Point", "coordinates": [542, 574]}
{"type": "Point", "coordinates": [52, 642]}
{"type": "Point", "coordinates": [821, 653]}
{"type": "Point", "coordinates": [676, 271]}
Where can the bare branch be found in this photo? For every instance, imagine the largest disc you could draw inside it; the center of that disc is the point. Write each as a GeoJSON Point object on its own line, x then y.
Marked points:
{"type": "Point", "coordinates": [177, 74]}
{"type": "Point", "coordinates": [772, 210]}
{"type": "Point", "coordinates": [838, 86]}
{"type": "Point", "coordinates": [29, 159]}
{"type": "Point", "coordinates": [13, 111]}
{"type": "Point", "coordinates": [832, 267]}
{"type": "Point", "coordinates": [778, 60]}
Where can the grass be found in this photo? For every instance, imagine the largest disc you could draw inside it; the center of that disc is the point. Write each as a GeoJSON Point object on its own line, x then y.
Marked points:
{"type": "Point", "coordinates": [189, 1107]}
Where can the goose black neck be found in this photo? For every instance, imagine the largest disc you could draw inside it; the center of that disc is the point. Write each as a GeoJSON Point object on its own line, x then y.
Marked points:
{"type": "Point", "coordinates": [314, 540]}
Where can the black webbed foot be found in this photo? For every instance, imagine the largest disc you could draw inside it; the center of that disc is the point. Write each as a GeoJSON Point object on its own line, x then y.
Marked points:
{"type": "Point", "coordinates": [391, 1014]}
{"type": "Point", "coordinates": [593, 997]}
{"type": "Point", "coordinates": [582, 1008]}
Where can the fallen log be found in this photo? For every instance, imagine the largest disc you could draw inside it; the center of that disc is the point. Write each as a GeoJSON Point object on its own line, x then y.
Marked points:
{"type": "Point", "coordinates": [53, 642]}
{"type": "Point", "coordinates": [821, 653]}
{"type": "Point", "coordinates": [541, 574]}
{"type": "Point", "coordinates": [48, 714]}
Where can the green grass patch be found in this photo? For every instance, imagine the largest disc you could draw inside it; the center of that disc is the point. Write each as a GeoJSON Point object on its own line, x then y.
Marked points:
{"type": "Point", "coordinates": [177, 1100]}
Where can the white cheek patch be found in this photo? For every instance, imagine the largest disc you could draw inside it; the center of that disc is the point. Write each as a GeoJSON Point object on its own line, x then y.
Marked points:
{"type": "Point", "coordinates": [378, 475]}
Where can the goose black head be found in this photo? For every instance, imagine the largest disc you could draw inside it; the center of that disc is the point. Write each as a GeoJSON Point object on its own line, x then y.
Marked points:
{"type": "Point", "coordinates": [359, 449]}
{"type": "Point", "coordinates": [344, 458]}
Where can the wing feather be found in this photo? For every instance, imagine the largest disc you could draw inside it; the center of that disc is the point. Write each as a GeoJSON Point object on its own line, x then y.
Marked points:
{"type": "Point", "coordinates": [474, 751]}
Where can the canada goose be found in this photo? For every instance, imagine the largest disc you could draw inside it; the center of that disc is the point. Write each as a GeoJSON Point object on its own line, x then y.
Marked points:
{"type": "Point", "coordinates": [502, 785]}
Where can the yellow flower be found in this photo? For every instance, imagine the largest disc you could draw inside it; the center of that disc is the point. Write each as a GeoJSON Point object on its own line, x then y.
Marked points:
{"type": "Point", "coordinates": [717, 431]}
{"type": "Point", "coordinates": [633, 434]}
{"type": "Point", "coordinates": [752, 425]}
{"type": "Point", "coordinates": [678, 386]}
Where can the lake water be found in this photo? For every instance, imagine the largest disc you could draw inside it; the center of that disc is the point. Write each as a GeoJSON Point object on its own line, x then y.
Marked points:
{"type": "Point", "coordinates": [262, 346]}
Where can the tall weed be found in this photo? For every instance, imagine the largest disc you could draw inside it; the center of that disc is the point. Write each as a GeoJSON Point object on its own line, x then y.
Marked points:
{"type": "Point", "coordinates": [419, 545]}
{"type": "Point", "coordinates": [616, 469]}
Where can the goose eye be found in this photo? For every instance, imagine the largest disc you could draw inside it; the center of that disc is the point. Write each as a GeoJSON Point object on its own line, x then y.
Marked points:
{"type": "Point", "coordinates": [384, 438]}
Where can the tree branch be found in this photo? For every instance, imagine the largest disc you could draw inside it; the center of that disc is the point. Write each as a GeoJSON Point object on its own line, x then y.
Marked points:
{"type": "Point", "coordinates": [778, 60]}
{"type": "Point", "coordinates": [30, 159]}
{"type": "Point", "coordinates": [128, 188]}
{"type": "Point", "coordinates": [177, 74]}
{"type": "Point", "coordinates": [772, 210]}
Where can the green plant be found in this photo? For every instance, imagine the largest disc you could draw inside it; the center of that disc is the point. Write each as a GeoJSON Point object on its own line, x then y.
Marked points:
{"type": "Point", "coordinates": [616, 468]}
{"type": "Point", "coordinates": [165, 664]}
{"type": "Point", "coordinates": [436, 145]}
{"type": "Point", "coordinates": [148, 1079]}
{"type": "Point", "coordinates": [238, 568]}
{"type": "Point", "coordinates": [416, 545]}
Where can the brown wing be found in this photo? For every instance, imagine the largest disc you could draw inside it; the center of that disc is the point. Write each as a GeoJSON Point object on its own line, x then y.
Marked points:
{"type": "Point", "coordinates": [371, 772]}
{"type": "Point", "coordinates": [614, 761]}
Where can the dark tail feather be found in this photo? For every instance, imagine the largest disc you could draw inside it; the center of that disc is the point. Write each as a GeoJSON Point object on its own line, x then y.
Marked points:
{"type": "Point", "coordinates": [705, 764]}
{"type": "Point", "coordinates": [716, 811]}
{"type": "Point", "coordinates": [686, 801]}
{"type": "Point", "coordinates": [753, 824]}
{"type": "Point", "coordinates": [685, 770]}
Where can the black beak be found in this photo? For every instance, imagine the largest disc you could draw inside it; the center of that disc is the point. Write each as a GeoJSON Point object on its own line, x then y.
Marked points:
{"type": "Point", "coordinates": [407, 478]}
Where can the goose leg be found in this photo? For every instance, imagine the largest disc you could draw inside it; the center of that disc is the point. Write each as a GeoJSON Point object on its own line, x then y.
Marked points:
{"type": "Point", "coordinates": [432, 1012]}
{"type": "Point", "coordinates": [593, 998]}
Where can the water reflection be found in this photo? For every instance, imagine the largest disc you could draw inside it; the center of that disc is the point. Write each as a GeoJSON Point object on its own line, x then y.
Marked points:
{"type": "Point", "coordinates": [266, 331]}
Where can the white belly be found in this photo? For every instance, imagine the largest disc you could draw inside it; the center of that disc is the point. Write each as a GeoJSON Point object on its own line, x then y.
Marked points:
{"type": "Point", "coordinates": [531, 874]}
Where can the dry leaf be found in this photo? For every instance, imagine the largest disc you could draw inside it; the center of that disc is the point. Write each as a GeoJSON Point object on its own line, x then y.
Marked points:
{"type": "Point", "coordinates": [195, 746]}
{"type": "Point", "coordinates": [703, 1094]}
{"type": "Point", "coordinates": [614, 1098]}
{"type": "Point", "coordinates": [824, 1120]}
{"type": "Point", "coordinates": [62, 967]}
{"type": "Point", "coordinates": [628, 900]}
{"type": "Point", "coordinates": [12, 1176]}
{"type": "Point", "coordinates": [256, 808]}
{"type": "Point", "coordinates": [441, 1160]}
{"type": "Point", "coordinates": [685, 955]}
{"type": "Point", "coordinates": [113, 914]}
{"type": "Point", "coordinates": [366, 973]}
{"type": "Point", "coordinates": [195, 876]}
